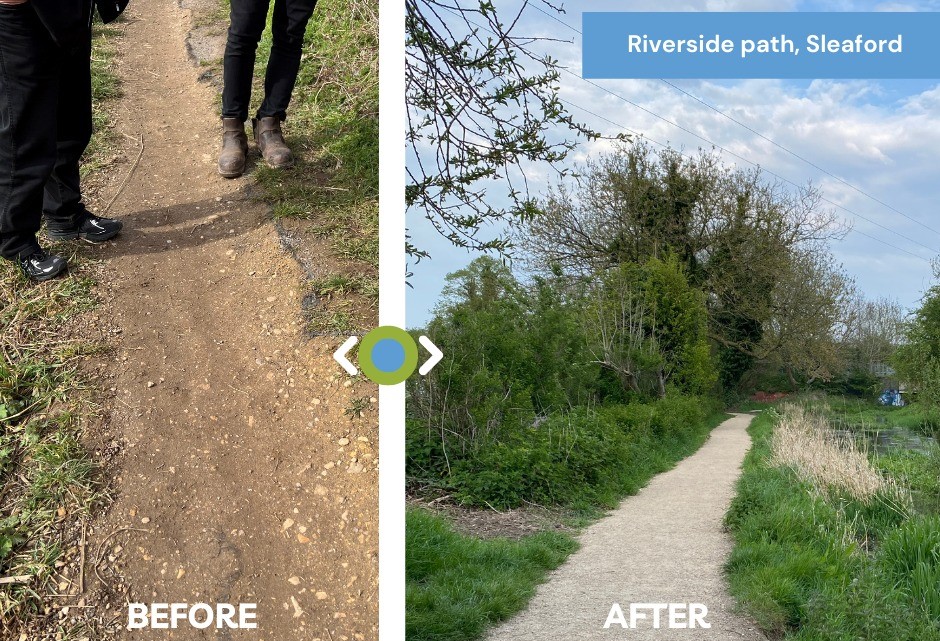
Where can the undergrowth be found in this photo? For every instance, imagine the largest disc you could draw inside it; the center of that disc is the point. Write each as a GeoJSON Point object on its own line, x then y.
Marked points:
{"type": "Point", "coordinates": [586, 460]}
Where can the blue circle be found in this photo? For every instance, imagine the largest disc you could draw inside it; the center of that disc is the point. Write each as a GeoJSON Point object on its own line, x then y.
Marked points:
{"type": "Point", "coordinates": [388, 355]}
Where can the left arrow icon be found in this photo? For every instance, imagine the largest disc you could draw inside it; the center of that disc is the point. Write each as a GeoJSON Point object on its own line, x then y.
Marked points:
{"type": "Point", "coordinates": [340, 355]}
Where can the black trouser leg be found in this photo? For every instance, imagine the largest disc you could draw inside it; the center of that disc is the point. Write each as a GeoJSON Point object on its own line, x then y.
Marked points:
{"type": "Point", "coordinates": [288, 27]}
{"type": "Point", "coordinates": [28, 106]}
{"type": "Point", "coordinates": [63, 194]}
{"type": "Point", "coordinates": [247, 22]}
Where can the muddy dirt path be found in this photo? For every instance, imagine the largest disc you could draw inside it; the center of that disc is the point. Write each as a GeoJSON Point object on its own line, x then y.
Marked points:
{"type": "Point", "coordinates": [666, 544]}
{"type": "Point", "coordinates": [239, 470]}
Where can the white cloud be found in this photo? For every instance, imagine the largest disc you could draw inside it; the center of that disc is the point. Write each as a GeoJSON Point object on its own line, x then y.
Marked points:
{"type": "Point", "coordinates": [880, 136]}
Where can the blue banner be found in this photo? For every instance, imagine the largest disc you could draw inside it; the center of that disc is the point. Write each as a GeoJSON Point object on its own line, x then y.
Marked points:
{"type": "Point", "coordinates": [843, 45]}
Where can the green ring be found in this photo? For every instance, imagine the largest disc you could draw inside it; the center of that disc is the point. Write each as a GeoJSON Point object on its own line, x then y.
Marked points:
{"type": "Point", "coordinates": [398, 335]}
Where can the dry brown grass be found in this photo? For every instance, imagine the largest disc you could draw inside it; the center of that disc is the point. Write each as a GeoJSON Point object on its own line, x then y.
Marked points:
{"type": "Point", "coordinates": [806, 443]}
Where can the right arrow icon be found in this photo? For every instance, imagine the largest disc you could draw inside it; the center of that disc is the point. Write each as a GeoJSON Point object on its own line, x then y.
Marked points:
{"type": "Point", "coordinates": [436, 355]}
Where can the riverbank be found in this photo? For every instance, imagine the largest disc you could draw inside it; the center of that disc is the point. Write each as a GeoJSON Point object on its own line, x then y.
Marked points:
{"type": "Point", "coordinates": [842, 552]}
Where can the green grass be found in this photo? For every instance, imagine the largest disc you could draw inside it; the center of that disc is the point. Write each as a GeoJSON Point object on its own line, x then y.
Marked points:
{"type": "Point", "coordinates": [458, 586]}
{"type": "Point", "coordinates": [810, 566]}
{"type": "Point", "coordinates": [48, 480]}
{"type": "Point", "coordinates": [344, 284]}
{"type": "Point", "coordinates": [105, 89]}
{"type": "Point", "coordinates": [333, 128]}
{"type": "Point", "coordinates": [916, 470]}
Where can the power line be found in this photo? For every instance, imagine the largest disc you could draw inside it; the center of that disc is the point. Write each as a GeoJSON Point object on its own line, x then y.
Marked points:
{"type": "Point", "coordinates": [709, 142]}
{"type": "Point", "coordinates": [799, 157]}
{"type": "Point", "coordinates": [747, 160]}
{"type": "Point", "coordinates": [666, 146]}
{"type": "Point", "coordinates": [760, 135]}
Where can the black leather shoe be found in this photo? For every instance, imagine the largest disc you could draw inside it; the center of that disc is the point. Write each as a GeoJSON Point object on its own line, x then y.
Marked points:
{"type": "Point", "coordinates": [40, 266]}
{"type": "Point", "coordinates": [92, 229]}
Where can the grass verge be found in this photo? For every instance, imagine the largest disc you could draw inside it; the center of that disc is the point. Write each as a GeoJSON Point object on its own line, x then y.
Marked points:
{"type": "Point", "coordinates": [333, 127]}
{"type": "Point", "coordinates": [48, 481]}
{"type": "Point", "coordinates": [459, 585]}
{"type": "Point", "coordinates": [828, 563]}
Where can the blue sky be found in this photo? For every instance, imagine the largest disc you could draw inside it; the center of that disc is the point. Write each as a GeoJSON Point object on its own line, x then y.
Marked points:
{"type": "Point", "coordinates": [881, 136]}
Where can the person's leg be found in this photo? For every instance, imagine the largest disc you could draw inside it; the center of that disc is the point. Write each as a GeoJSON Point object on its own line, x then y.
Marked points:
{"type": "Point", "coordinates": [66, 215]}
{"type": "Point", "coordinates": [247, 21]}
{"type": "Point", "coordinates": [288, 26]}
{"type": "Point", "coordinates": [28, 98]}
{"type": "Point", "coordinates": [63, 194]}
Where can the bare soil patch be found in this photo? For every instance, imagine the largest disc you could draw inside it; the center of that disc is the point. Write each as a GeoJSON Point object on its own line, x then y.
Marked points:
{"type": "Point", "coordinates": [490, 524]}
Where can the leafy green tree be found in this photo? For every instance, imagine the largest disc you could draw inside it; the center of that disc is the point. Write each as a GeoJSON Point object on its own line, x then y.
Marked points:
{"type": "Point", "coordinates": [735, 233]}
{"type": "Point", "coordinates": [917, 360]}
{"type": "Point", "coordinates": [680, 327]}
{"type": "Point", "coordinates": [648, 325]}
{"type": "Point", "coordinates": [514, 353]}
{"type": "Point", "coordinates": [810, 320]}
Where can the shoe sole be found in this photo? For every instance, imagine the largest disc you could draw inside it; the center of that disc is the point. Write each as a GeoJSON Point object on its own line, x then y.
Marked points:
{"type": "Point", "coordinates": [47, 277]}
{"type": "Point", "coordinates": [59, 236]}
{"type": "Point", "coordinates": [231, 174]}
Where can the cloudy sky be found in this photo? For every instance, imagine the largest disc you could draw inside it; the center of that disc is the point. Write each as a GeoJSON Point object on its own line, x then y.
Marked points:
{"type": "Point", "coordinates": [880, 136]}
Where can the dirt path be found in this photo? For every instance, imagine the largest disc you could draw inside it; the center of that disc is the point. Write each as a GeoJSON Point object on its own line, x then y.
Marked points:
{"type": "Point", "coordinates": [238, 467]}
{"type": "Point", "coordinates": [663, 545]}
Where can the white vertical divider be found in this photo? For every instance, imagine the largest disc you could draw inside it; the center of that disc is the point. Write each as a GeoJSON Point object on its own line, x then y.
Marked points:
{"type": "Point", "coordinates": [392, 265]}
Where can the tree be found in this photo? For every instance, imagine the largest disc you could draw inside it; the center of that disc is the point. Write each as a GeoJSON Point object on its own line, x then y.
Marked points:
{"type": "Point", "coordinates": [810, 319]}
{"type": "Point", "coordinates": [735, 234]}
{"type": "Point", "coordinates": [483, 106]}
{"type": "Point", "coordinates": [875, 330]}
{"type": "Point", "coordinates": [917, 360]}
{"type": "Point", "coordinates": [514, 352]}
{"type": "Point", "coordinates": [648, 327]}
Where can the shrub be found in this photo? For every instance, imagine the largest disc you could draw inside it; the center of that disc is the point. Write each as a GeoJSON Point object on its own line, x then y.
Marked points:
{"type": "Point", "coordinates": [583, 458]}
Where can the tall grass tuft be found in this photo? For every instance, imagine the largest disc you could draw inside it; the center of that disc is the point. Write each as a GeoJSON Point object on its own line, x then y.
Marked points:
{"type": "Point", "coordinates": [806, 443]}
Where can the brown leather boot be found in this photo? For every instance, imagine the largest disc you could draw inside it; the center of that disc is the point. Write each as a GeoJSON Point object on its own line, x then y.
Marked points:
{"type": "Point", "coordinates": [234, 148]}
{"type": "Point", "coordinates": [271, 143]}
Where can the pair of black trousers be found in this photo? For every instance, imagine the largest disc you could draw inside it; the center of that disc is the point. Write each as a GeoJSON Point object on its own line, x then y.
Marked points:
{"type": "Point", "coordinates": [45, 125]}
{"type": "Point", "coordinates": [248, 20]}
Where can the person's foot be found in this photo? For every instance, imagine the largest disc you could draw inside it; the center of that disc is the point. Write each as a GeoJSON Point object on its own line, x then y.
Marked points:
{"type": "Point", "coordinates": [90, 228]}
{"type": "Point", "coordinates": [270, 141]}
{"type": "Point", "coordinates": [40, 266]}
{"type": "Point", "coordinates": [234, 148]}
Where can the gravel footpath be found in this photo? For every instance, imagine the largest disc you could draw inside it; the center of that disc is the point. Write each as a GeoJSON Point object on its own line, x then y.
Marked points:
{"type": "Point", "coordinates": [666, 544]}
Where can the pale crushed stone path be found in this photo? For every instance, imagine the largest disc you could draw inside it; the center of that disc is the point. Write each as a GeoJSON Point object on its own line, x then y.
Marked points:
{"type": "Point", "coordinates": [666, 544]}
